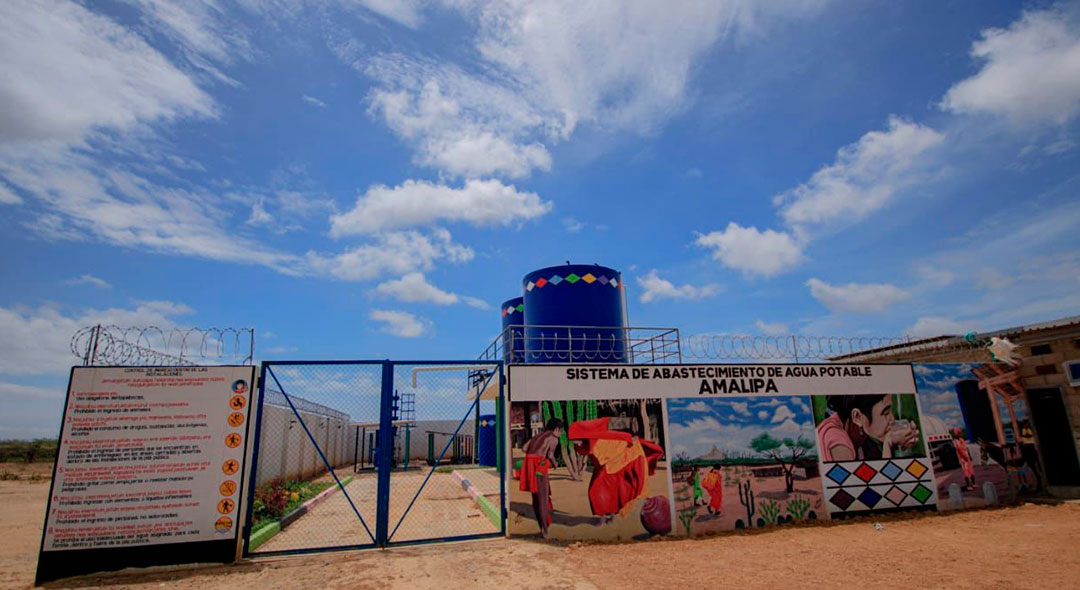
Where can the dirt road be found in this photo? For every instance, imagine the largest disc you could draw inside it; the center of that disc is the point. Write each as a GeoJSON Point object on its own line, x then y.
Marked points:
{"type": "Point", "coordinates": [1020, 547]}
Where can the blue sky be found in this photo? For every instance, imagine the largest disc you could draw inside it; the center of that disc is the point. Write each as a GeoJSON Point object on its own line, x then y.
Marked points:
{"type": "Point", "coordinates": [697, 425]}
{"type": "Point", "coordinates": [370, 179]}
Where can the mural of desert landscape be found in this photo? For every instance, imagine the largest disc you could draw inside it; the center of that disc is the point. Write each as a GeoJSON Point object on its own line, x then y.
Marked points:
{"type": "Point", "coordinates": [743, 463]}
{"type": "Point", "coordinates": [603, 472]}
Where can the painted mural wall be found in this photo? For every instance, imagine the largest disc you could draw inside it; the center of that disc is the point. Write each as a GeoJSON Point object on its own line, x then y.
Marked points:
{"type": "Point", "coordinates": [629, 452]}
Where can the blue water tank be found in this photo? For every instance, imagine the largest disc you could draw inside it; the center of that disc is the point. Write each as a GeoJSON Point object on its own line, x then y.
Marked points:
{"type": "Point", "coordinates": [487, 453]}
{"type": "Point", "coordinates": [513, 317]}
{"type": "Point", "coordinates": [574, 314]}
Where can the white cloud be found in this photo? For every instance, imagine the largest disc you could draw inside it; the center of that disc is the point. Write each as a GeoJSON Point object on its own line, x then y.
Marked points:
{"type": "Point", "coordinates": [751, 251]}
{"type": "Point", "coordinates": [544, 68]}
{"type": "Point", "coordinates": [84, 200]}
{"type": "Point", "coordinates": [572, 225]}
{"type": "Point", "coordinates": [936, 276]}
{"type": "Point", "coordinates": [762, 414]}
{"type": "Point", "coordinates": [399, 323]}
{"type": "Point", "coordinates": [311, 100]}
{"type": "Point", "coordinates": [864, 176]}
{"type": "Point", "coordinates": [929, 326]}
{"type": "Point", "coordinates": [396, 253]}
{"type": "Point", "coordinates": [404, 12]}
{"type": "Point", "coordinates": [1030, 70]}
{"type": "Point", "coordinates": [855, 297]}
{"type": "Point", "coordinates": [67, 71]}
{"type": "Point", "coordinates": [774, 329]}
{"type": "Point", "coordinates": [656, 288]}
{"type": "Point", "coordinates": [16, 390]}
{"type": "Point", "coordinates": [414, 288]}
{"type": "Point", "coordinates": [201, 28]}
{"type": "Point", "coordinates": [697, 407]}
{"type": "Point", "coordinates": [782, 413]}
{"type": "Point", "coordinates": [89, 279]}
{"type": "Point", "coordinates": [7, 197]}
{"type": "Point", "coordinates": [739, 407]}
{"type": "Point", "coordinates": [993, 278]}
{"type": "Point", "coordinates": [38, 341]}
{"type": "Point", "coordinates": [417, 202]}
{"type": "Point", "coordinates": [259, 216]}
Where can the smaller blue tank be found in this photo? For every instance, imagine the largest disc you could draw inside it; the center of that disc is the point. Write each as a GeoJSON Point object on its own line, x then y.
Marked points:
{"type": "Point", "coordinates": [513, 318]}
{"type": "Point", "coordinates": [487, 452]}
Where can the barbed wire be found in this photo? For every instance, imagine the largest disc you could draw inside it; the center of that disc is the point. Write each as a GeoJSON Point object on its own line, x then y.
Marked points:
{"type": "Point", "coordinates": [151, 345]}
{"type": "Point", "coordinates": [796, 348]}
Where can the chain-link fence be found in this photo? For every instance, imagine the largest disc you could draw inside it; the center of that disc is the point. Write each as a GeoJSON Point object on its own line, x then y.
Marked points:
{"type": "Point", "coordinates": [360, 454]}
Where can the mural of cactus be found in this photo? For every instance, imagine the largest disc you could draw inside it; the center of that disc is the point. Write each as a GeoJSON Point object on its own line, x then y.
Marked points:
{"type": "Point", "coordinates": [797, 507]}
{"type": "Point", "coordinates": [746, 498]}
{"type": "Point", "coordinates": [770, 511]}
{"type": "Point", "coordinates": [686, 515]}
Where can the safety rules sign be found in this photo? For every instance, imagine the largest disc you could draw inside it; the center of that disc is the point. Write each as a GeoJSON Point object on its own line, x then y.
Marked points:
{"type": "Point", "coordinates": [149, 456]}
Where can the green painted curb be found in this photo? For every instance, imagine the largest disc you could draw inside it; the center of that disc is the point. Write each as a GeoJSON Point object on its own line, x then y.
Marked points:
{"type": "Point", "coordinates": [263, 535]}
{"type": "Point", "coordinates": [490, 510]}
{"type": "Point", "coordinates": [267, 531]}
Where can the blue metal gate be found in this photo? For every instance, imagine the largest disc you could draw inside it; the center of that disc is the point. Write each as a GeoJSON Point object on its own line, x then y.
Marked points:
{"type": "Point", "coordinates": [361, 454]}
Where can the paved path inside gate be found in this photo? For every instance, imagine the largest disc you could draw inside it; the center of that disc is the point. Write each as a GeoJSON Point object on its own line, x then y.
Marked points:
{"type": "Point", "coordinates": [443, 509]}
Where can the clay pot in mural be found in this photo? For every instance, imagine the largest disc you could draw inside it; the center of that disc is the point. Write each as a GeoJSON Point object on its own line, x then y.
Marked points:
{"type": "Point", "coordinates": [656, 515]}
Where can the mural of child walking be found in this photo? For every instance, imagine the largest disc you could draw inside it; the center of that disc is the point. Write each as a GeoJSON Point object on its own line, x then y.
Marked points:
{"type": "Point", "coordinates": [535, 470]}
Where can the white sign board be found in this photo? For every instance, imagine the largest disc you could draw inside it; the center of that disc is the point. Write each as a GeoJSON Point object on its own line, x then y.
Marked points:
{"type": "Point", "coordinates": [576, 382]}
{"type": "Point", "coordinates": [149, 456]}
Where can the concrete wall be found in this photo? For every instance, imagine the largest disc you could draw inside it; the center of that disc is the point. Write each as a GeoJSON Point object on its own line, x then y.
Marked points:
{"type": "Point", "coordinates": [286, 451]}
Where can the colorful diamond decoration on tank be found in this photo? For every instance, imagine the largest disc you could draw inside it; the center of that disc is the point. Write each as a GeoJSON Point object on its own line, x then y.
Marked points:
{"type": "Point", "coordinates": [854, 487]}
{"type": "Point", "coordinates": [572, 278]}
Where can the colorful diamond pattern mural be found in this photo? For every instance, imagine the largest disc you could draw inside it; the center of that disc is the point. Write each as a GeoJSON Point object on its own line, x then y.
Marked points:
{"type": "Point", "coordinates": [921, 493]}
{"type": "Point", "coordinates": [895, 495]}
{"type": "Point", "coordinates": [842, 499]}
{"type": "Point", "coordinates": [916, 468]}
{"type": "Point", "coordinates": [541, 282]}
{"type": "Point", "coordinates": [572, 278]}
{"type": "Point", "coordinates": [555, 280]}
{"type": "Point", "coordinates": [588, 278]}
{"type": "Point", "coordinates": [865, 472]}
{"type": "Point", "coordinates": [838, 474]}
{"type": "Point", "coordinates": [869, 497]}
{"type": "Point", "coordinates": [882, 484]}
{"type": "Point", "coordinates": [891, 470]}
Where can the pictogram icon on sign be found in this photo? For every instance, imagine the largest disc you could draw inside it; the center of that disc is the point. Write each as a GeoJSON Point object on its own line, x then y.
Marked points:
{"type": "Point", "coordinates": [230, 466]}
{"type": "Point", "coordinates": [233, 440]}
{"type": "Point", "coordinates": [236, 419]}
{"type": "Point", "coordinates": [237, 402]}
{"type": "Point", "coordinates": [226, 506]}
{"type": "Point", "coordinates": [227, 487]}
{"type": "Point", "coordinates": [223, 524]}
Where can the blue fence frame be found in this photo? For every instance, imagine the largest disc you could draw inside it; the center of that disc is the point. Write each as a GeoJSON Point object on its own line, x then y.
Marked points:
{"type": "Point", "coordinates": [383, 536]}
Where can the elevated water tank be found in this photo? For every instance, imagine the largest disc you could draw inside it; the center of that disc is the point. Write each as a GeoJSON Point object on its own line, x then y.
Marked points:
{"type": "Point", "coordinates": [574, 314]}
{"type": "Point", "coordinates": [513, 317]}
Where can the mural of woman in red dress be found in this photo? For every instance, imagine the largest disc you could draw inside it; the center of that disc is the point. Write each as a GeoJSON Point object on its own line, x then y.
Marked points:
{"type": "Point", "coordinates": [714, 484]}
{"type": "Point", "coordinates": [621, 465]}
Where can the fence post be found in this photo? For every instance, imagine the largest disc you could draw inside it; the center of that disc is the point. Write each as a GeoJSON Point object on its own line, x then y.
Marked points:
{"type": "Point", "coordinates": [385, 455]}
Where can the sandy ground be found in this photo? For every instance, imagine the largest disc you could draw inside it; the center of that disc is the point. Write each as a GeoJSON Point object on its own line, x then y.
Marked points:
{"type": "Point", "coordinates": [1018, 547]}
{"type": "Point", "coordinates": [442, 500]}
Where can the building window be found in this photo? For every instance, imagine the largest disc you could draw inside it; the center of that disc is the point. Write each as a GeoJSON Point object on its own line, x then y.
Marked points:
{"type": "Point", "coordinates": [1041, 349]}
{"type": "Point", "coordinates": [1046, 369]}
